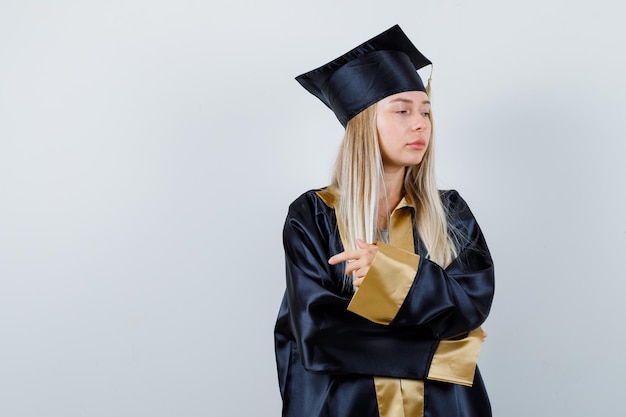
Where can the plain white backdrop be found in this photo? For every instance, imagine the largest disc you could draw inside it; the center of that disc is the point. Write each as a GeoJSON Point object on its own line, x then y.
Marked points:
{"type": "Point", "coordinates": [149, 151]}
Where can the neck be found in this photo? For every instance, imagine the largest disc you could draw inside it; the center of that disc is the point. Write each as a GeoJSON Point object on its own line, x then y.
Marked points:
{"type": "Point", "coordinates": [391, 195]}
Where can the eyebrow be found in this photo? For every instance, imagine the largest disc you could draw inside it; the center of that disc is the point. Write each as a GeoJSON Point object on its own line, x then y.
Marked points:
{"type": "Point", "coordinates": [407, 100]}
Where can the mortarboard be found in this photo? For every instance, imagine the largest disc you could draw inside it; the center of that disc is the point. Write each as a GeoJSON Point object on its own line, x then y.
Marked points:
{"type": "Point", "coordinates": [386, 64]}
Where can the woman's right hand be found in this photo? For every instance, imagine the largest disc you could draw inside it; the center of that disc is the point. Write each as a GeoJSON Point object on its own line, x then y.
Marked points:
{"type": "Point", "coordinates": [358, 261]}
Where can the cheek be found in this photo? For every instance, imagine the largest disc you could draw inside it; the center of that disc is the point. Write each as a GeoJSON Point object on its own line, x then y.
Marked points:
{"type": "Point", "coordinates": [429, 131]}
{"type": "Point", "coordinates": [383, 142]}
{"type": "Point", "coordinates": [385, 138]}
{"type": "Point", "coordinates": [386, 130]}
{"type": "Point", "coordinates": [384, 123]}
{"type": "Point", "coordinates": [381, 129]}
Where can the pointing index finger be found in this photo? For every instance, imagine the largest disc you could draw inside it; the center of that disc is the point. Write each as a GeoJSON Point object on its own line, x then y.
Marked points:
{"type": "Point", "coordinates": [343, 256]}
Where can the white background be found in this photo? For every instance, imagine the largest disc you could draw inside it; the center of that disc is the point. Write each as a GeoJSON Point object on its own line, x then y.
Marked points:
{"type": "Point", "coordinates": [149, 151]}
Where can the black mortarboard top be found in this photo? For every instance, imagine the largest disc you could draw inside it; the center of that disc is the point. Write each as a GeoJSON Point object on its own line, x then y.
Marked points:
{"type": "Point", "coordinates": [386, 64]}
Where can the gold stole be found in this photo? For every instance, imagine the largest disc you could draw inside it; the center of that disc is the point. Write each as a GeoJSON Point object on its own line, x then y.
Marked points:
{"type": "Point", "coordinates": [454, 361]}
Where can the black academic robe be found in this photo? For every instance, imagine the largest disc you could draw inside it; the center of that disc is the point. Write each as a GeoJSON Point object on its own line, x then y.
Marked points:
{"type": "Point", "coordinates": [398, 346]}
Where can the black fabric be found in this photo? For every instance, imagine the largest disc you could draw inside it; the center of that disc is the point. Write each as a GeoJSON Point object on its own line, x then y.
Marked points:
{"type": "Point", "coordinates": [378, 68]}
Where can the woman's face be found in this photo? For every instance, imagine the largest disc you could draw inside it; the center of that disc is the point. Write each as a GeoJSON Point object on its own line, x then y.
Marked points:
{"type": "Point", "coordinates": [403, 123]}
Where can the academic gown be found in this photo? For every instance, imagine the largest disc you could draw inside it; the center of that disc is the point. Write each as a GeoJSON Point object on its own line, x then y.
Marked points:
{"type": "Point", "coordinates": [405, 344]}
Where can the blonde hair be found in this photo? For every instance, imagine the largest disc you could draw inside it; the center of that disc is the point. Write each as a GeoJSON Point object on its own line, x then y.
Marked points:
{"type": "Point", "coordinates": [358, 177]}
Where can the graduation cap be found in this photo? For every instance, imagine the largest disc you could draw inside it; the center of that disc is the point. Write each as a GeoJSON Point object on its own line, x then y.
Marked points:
{"type": "Point", "coordinates": [386, 64]}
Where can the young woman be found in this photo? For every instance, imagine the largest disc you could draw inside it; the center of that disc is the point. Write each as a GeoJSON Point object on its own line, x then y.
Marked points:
{"type": "Point", "coordinates": [388, 279]}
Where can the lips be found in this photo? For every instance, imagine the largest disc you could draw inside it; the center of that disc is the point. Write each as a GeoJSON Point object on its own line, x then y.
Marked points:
{"type": "Point", "coordinates": [418, 144]}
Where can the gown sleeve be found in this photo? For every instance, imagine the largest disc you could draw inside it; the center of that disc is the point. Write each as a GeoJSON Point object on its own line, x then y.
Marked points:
{"type": "Point", "coordinates": [332, 339]}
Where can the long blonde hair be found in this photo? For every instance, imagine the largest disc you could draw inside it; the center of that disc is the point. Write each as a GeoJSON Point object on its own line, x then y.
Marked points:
{"type": "Point", "coordinates": [358, 177]}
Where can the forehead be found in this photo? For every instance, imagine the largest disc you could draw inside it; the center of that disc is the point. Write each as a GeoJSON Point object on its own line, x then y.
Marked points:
{"type": "Point", "coordinates": [417, 97]}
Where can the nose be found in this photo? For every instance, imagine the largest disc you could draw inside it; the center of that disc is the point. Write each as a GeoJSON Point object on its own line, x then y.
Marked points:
{"type": "Point", "coordinates": [420, 122]}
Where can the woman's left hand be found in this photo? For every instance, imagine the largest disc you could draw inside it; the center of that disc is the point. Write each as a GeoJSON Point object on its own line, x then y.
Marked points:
{"type": "Point", "coordinates": [359, 260]}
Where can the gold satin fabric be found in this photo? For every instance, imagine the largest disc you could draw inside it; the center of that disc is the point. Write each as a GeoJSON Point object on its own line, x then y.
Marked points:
{"type": "Point", "coordinates": [399, 397]}
{"type": "Point", "coordinates": [396, 397]}
{"type": "Point", "coordinates": [393, 270]}
{"type": "Point", "coordinates": [401, 228]}
{"type": "Point", "coordinates": [392, 273]}
{"type": "Point", "coordinates": [328, 196]}
{"type": "Point", "coordinates": [412, 397]}
{"type": "Point", "coordinates": [455, 360]}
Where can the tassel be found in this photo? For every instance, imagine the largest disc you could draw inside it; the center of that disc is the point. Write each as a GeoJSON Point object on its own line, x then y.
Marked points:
{"type": "Point", "coordinates": [430, 78]}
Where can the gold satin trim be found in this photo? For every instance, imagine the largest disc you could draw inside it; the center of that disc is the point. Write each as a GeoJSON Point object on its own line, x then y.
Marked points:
{"type": "Point", "coordinates": [413, 397]}
{"type": "Point", "coordinates": [388, 396]}
{"type": "Point", "coordinates": [391, 274]}
{"type": "Point", "coordinates": [329, 196]}
{"type": "Point", "coordinates": [386, 284]}
{"type": "Point", "coordinates": [401, 228]}
{"type": "Point", "coordinates": [399, 397]}
{"type": "Point", "coordinates": [455, 360]}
